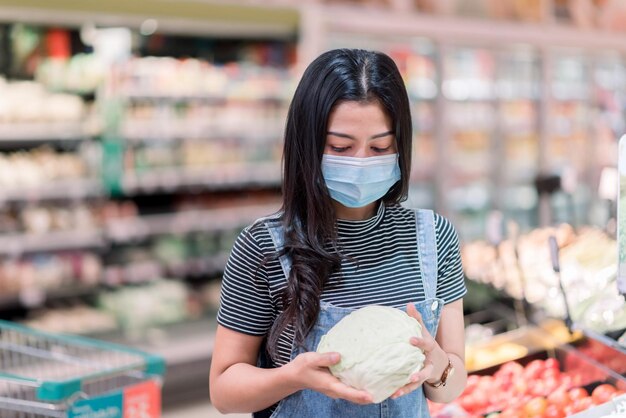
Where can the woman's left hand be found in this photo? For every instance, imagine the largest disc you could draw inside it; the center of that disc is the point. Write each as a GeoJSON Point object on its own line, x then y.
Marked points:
{"type": "Point", "coordinates": [435, 359]}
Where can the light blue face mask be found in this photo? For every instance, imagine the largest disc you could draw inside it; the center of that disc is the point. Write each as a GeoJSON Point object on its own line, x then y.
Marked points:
{"type": "Point", "coordinates": [357, 182]}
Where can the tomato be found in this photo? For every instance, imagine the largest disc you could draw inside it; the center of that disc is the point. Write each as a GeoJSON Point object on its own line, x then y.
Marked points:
{"type": "Point", "coordinates": [520, 386]}
{"type": "Point", "coordinates": [536, 407]}
{"type": "Point", "coordinates": [569, 410]}
{"type": "Point", "coordinates": [554, 411]}
{"type": "Point", "coordinates": [603, 393]}
{"type": "Point", "coordinates": [559, 398]}
{"type": "Point", "coordinates": [533, 370]}
{"type": "Point", "coordinates": [551, 363]}
{"type": "Point", "coordinates": [577, 393]}
{"type": "Point", "coordinates": [551, 374]}
{"type": "Point", "coordinates": [538, 388]}
{"type": "Point", "coordinates": [583, 404]}
{"type": "Point", "coordinates": [512, 413]}
{"type": "Point", "coordinates": [468, 403]}
{"type": "Point", "coordinates": [511, 369]}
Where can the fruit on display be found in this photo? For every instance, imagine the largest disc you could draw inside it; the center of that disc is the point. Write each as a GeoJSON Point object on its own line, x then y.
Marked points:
{"type": "Point", "coordinates": [477, 358]}
{"type": "Point", "coordinates": [538, 389]}
{"type": "Point", "coordinates": [515, 344]}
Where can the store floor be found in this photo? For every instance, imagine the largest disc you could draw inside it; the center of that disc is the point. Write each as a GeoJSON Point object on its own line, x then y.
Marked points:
{"type": "Point", "coordinates": [198, 410]}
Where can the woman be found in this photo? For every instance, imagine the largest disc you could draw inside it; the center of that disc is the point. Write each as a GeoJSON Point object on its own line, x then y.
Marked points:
{"type": "Point", "coordinates": [340, 242]}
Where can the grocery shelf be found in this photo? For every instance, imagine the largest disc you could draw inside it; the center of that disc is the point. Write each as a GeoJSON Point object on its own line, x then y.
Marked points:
{"type": "Point", "coordinates": [177, 130]}
{"type": "Point", "coordinates": [20, 243]}
{"type": "Point", "coordinates": [198, 266]}
{"type": "Point", "coordinates": [211, 220]}
{"type": "Point", "coordinates": [146, 96]}
{"type": "Point", "coordinates": [183, 342]}
{"type": "Point", "coordinates": [215, 178]}
{"type": "Point", "coordinates": [35, 298]}
{"type": "Point", "coordinates": [42, 132]}
{"type": "Point", "coordinates": [145, 271]}
{"type": "Point", "coordinates": [54, 190]}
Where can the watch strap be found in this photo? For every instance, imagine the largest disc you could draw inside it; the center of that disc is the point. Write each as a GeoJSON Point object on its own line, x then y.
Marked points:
{"type": "Point", "coordinates": [444, 376]}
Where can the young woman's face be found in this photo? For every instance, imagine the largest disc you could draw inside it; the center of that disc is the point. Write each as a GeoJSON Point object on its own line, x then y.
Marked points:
{"type": "Point", "coordinates": [357, 129]}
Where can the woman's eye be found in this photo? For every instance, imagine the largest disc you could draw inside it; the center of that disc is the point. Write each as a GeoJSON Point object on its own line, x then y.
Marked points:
{"type": "Point", "coordinates": [377, 149]}
{"type": "Point", "coordinates": [338, 149]}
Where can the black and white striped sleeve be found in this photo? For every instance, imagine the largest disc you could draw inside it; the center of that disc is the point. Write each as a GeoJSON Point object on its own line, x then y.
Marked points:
{"type": "Point", "coordinates": [450, 280]}
{"type": "Point", "coordinates": [245, 303]}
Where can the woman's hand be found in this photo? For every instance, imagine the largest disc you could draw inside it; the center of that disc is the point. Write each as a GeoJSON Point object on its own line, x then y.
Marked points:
{"type": "Point", "coordinates": [435, 362]}
{"type": "Point", "coordinates": [310, 371]}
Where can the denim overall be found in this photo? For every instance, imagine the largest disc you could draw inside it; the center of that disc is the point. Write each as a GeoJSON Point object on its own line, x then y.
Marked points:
{"type": "Point", "coordinates": [310, 404]}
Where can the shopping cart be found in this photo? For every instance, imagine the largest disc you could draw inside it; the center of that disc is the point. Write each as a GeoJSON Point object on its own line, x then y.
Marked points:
{"type": "Point", "coordinates": [44, 375]}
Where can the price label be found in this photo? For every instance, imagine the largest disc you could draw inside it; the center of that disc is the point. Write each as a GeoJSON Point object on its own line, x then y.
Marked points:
{"type": "Point", "coordinates": [142, 400]}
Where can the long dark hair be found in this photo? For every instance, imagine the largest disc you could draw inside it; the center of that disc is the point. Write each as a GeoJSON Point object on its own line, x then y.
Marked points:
{"type": "Point", "coordinates": [308, 214]}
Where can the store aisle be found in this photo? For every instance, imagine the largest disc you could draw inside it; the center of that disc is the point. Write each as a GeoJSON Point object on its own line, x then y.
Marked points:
{"type": "Point", "coordinates": [199, 410]}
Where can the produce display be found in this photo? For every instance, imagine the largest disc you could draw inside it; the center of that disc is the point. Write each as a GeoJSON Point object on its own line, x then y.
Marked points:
{"type": "Point", "coordinates": [37, 274]}
{"type": "Point", "coordinates": [131, 310]}
{"type": "Point", "coordinates": [75, 319]}
{"type": "Point", "coordinates": [522, 269]}
{"type": "Point", "coordinates": [541, 388]}
{"type": "Point", "coordinates": [380, 360]}
{"type": "Point", "coordinates": [30, 102]}
{"type": "Point", "coordinates": [41, 166]}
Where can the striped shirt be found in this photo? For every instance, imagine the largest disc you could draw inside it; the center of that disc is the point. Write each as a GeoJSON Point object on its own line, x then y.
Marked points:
{"type": "Point", "coordinates": [381, 267]}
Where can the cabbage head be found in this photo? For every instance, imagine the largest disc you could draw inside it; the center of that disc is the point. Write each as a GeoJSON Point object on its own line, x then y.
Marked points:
{"type": "Point", "coordinates": [376, 355]}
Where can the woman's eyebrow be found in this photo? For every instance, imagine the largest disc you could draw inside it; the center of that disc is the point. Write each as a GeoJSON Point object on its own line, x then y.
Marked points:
{"type": "Point", "coordinates": [341, 135]}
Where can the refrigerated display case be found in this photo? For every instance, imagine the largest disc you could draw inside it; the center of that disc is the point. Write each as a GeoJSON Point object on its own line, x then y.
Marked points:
{"type": "Point", "coordinates": [518, 82]}
{"type": "Point", "coordinates": [569, 143]}
{"type": "Point", "coordinates": [469, 90]}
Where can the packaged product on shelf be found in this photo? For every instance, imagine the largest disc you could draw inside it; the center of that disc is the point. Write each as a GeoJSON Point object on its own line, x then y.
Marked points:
{"type": "Point", "coordinates": [60, 274]}
{"type": "Point", "coordinates": [138, 308]}
{"type": "Point", "coordinates": [28, 102]}
{"type": "Point", "coordinates": [77, 319]}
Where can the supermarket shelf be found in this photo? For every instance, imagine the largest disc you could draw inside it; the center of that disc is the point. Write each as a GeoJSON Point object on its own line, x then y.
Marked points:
{"type": "Point", "coordinates": [54, 190]}
{"type": "Point", "coordinates": [198, 266]}
{"type": "Point", "coordinates": [42, 132]}
{"type": "Point", "coordinates": [16, 244]}
{"type": "Point", "coordinates": [146, 271]}
{"type": "Point", "coordinates": [37, 297]}
{"type": "Point", "coordinates": [177, 130]}
{"type": "Point", "coordinates": [215, 178]}
{"type": "Point", "coordinates": [215, 17]}
{"type": "Point", "coordinates": [184, 342]}
{"type": "Point", "coordinates": [212, 220]}
{"type": "Point", "coordinates": [146, 96]}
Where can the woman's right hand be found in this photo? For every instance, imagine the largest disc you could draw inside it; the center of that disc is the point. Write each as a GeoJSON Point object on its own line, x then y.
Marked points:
{"type": "Point", "coordinates": [310, 371]}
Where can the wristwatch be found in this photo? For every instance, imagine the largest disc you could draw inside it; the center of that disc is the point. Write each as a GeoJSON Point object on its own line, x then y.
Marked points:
{"type": "Point", "coordinates": [449, 371]}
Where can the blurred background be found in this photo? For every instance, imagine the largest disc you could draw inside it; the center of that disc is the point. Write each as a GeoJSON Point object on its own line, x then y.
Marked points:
{"type": "Point", "coordinates": [138, 137]}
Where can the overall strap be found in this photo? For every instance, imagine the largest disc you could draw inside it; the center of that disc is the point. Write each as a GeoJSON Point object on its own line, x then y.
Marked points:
{"type": "Point", "coordinates": [277, 232]}
{"type": "Point", "coordinates": [427, 249]}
